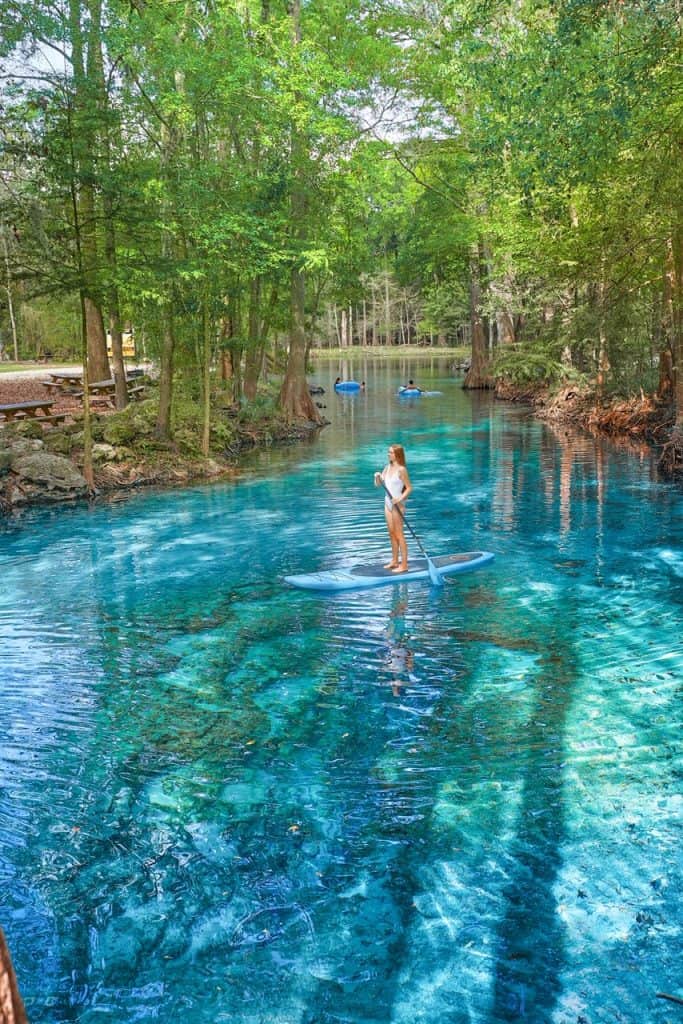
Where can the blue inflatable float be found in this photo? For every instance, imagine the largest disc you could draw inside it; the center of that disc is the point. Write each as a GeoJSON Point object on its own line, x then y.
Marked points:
{"type": "Point", "coordinates": [347, 385]}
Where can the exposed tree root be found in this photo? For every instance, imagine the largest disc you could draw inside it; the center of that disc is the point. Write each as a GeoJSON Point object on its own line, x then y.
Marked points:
{"type": "Point", "coordinates": [671, 459]}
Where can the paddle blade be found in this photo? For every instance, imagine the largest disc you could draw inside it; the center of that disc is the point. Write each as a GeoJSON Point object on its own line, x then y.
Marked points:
{"type": "Point", "coordinates": [435, 577]}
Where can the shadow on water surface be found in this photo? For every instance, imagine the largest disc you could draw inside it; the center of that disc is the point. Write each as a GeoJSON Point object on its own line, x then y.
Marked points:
{"type": "Point", "coordinates": [529, 936]}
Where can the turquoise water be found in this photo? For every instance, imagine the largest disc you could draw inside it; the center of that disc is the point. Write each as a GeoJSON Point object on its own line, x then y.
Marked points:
{"type": "Point", "coordinates": [225, 800]}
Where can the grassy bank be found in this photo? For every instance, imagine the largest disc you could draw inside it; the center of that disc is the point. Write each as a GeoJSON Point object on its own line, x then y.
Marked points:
{"type": "Point", "coordinates": [31, 365]}
{"type": "Point", "coordinates": [391, 352]}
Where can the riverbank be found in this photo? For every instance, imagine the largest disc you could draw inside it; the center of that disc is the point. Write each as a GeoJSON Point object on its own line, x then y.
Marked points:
{"type": "Point", "coordinates": [641, 421]}
{"type": "Point", "coordinates": [458, 354]}
{"type": "Point", "coordinates": [41, 464]}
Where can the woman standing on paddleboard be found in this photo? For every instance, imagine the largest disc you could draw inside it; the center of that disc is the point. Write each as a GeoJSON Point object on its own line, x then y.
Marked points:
{"type": "Point", "coordinates": [394, 477]}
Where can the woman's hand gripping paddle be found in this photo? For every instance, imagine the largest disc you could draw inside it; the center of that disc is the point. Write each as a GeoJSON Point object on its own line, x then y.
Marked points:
{"type": "Point", "coordinates": [434, 576]}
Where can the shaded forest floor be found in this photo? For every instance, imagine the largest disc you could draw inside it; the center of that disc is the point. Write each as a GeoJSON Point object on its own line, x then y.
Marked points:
{"type": "Point", "coordinates": [643, 422]}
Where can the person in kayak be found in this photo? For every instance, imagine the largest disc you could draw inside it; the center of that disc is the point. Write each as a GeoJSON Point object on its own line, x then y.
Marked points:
{"type": "Point", "coordinates": [394, 477]}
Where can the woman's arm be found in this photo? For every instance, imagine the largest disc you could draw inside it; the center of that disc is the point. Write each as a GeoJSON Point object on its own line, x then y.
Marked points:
{"type": "Point", "coordinates": [407, 486]}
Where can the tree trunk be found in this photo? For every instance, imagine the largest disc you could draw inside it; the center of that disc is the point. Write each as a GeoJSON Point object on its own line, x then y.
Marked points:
{"type": "Point", "coordinates": [163, 424]}
{"type": "Point", "coordinates": [603, 358]}
{"type": "Point", "coordinates": [74, 142]}
{"type": "Point", "coordinates": [88, 471]}
{"type": "Point", "coordinates": [373, 334]}
{"type": "Point", "coordinates": [87, 149]}
{"type": "Point", "coordinates": [666, 388]}
{"type": "Point", "coordinates": [206, 374]}
{"type": "Point", "coordinates": [677, 318]}
{"type": "Point", "coordinates": [96, 70]}
{"type": "Point", "coordinates": [11, 1007]}
{"type": "Point", "coordinates": [478, 375]}
{"type": "Point", "coordinates": [505, 327]}
{"type": "Point", "coordinates": [295, 398]}
{"type": "Point", "coordinates": [253, 360]}
{"type": "Point", "coordinates": [8, 289]}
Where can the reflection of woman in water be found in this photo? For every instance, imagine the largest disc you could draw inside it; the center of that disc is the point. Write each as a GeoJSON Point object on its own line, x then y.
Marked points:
{"type": "Point", "coordinates": [395, 478]}
{"type": "Point", "coordinates": [400, 658]}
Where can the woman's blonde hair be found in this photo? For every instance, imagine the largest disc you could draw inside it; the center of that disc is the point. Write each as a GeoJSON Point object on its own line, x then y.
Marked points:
{"type": "Point", "coordinates": [399, 454]}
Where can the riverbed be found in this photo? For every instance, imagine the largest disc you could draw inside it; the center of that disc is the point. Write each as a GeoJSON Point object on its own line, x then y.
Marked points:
{"type": "Point", "coordinates": [222, 799]}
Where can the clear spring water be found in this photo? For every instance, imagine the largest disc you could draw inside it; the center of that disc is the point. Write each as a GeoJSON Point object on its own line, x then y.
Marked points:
{"type": "Point", "coordinates": [225, 800]}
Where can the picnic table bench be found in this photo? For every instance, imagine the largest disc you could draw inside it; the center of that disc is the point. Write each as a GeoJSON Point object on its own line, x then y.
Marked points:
{"type": "Point", "coordinates": [38, 409]}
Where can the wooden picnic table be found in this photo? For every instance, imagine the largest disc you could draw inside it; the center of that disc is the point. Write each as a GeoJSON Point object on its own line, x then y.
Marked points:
{"type": "Point", "coordinates": [110, 383]}
{"type": "Point", "coordinates": [60, 381]}
{"type": "Point", "coordinates": [67, 377]}
{"type": "Point", "coordinates": [38, 408]}
{"type": "Point", "coordinates": [102, 387]}
{"type": "Point", "coordinates": [105, 391]}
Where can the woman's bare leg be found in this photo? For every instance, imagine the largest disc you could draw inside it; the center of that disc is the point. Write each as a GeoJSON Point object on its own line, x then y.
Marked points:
{"type": "Point", "coordinates": [389, 516]}
{"type": "Point", "coordinates": [401, 542]}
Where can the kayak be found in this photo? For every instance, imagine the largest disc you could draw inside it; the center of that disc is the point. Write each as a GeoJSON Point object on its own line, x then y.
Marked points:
{"type": "Point", "coordinates": [347, 385]}
{"type": "Point", "coordinates": [361, 577]}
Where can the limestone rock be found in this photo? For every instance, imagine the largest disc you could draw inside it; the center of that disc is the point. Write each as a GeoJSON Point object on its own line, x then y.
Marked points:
{"type": "Point", "coordinates": [24, 445]}
{"type": "Point", "coordinates": [103, 452]}
{"type": "Point", "coordinates": [44, 475]}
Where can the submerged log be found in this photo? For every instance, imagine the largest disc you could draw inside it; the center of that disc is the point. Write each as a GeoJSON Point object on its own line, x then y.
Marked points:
{"type": "Point", "coordinates": [11, 1007]}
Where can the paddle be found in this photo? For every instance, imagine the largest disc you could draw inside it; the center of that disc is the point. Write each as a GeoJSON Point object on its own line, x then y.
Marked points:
{"type": "Point", "coordinates": [433, 571]}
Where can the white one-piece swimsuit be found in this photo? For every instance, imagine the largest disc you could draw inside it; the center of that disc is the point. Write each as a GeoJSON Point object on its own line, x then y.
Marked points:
{"type": "Point", "coordinates": [394, 485]}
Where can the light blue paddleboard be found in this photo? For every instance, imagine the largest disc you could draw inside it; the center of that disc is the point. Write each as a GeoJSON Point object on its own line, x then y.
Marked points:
{"type": "Point", "coordinates": [360, 577]}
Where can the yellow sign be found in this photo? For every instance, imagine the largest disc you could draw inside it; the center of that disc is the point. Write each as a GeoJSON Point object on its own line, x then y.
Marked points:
{"type": "Point", "coordinates": [128, 344]}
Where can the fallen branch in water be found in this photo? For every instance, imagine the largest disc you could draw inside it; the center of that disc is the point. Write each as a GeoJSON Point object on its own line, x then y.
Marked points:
{"type": "Point", "coordinates": [665, 995]}
{"type": "Point", "coordinates": [11, 1007]}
